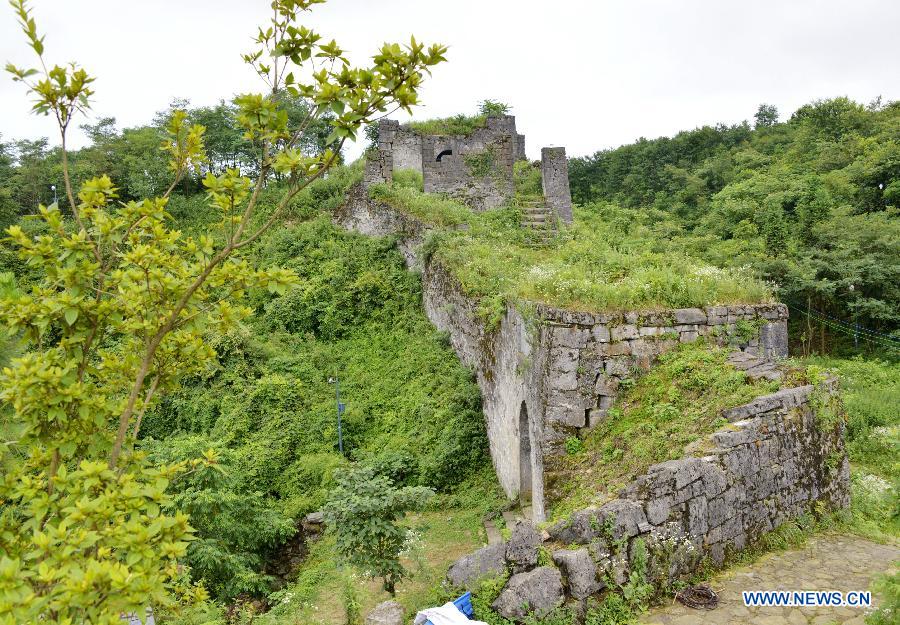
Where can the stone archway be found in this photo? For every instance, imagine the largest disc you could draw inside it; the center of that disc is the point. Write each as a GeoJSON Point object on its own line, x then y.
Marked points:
{"type": "Point", "coordinates": [525, 477]}
{"type": "Point", "coordinates": [443, 154]}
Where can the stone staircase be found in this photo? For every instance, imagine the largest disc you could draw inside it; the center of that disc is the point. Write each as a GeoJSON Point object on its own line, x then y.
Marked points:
{"type": "Point", "coordinates": [510, 518]}
{"type": "Point", "coordinates": [537, 216]}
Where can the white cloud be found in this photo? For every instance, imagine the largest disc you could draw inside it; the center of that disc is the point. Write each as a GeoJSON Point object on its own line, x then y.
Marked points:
{"type": "Point", "coordinates": [584, 74]}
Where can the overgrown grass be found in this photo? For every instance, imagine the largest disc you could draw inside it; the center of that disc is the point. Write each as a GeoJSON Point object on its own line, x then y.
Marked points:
{"type": "Point", "coordinates": [430, 208]}
{"type": "Point", "coordinates": [871, 393]}
{"type": "Point", "coordinates": [455, 125]}
{"type": "Point", "coordinates": [609, 259]}
{"type": "Point", "coordinates": [657, 415]}
{"type": "Point", "coordinates": [602, 262]}
{"type": "Point", "coordinates": [356, 316]}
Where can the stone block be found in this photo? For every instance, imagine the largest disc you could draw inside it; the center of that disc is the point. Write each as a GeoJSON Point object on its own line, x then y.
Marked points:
{"type": "Point", "coordinates": [600, 333]}
{"type": "Point", "coordinates": [618, 367]}
{"type": "Point", "coordinates": [580, 528]}
{"type": "Point", "coordinates": [624, 517]}
{"type": "Point", "coordinates": [716, 315]}
{"type": "Point", "coordinates": [658, 510]}
{"type": "Point", "coordinates": [539, 591]}
{"type": "Point", "coordinates": [522, 547]}
{"type": "Point", "coordinates": [580, 572]}
{"type": "Point", "coordinates": [487, 562]}
{"type": "Point", "coordinates": [596, 416]}
{"type": "Point", "coordinates": [606, 385]}
{"type": "Point", "coordinates": [624, 332]}
{"type": "Point", "coordinates": [575, 338]}
{"type": "Point", "coordinates": [690, 315]}
{"type": "Point", "coordinates": [569, 414]}
{"type": "Point", "coordinates": [697, 517]}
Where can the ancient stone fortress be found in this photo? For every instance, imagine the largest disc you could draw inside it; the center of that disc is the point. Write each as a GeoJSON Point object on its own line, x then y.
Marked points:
{"type": "Point", "coordinates": [476, 168]}
{"type": "Point", "coordinates": [546, 374]}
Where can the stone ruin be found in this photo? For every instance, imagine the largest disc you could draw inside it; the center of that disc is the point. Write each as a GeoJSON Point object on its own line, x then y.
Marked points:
{"type": "Point", "coordinates": [546, 374]}
{"type": "Point", "coordinates": [476, 169]}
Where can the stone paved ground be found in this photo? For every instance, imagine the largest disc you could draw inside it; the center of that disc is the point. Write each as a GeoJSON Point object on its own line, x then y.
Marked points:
{"type": "Point", "coordinates": [826, 563]}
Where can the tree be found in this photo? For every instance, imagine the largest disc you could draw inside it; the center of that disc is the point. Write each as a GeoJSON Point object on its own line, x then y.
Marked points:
{"type": "Point", "coordinates": [86, 531]}
{"type": "Point", "coordinates": [362, 512]}
{"type": "Point", "coordinates": [766, 116]}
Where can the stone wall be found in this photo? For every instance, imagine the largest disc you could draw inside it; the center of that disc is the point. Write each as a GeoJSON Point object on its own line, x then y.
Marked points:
{"type": "Point", "coordinates": [480, 176]}
{"type": "Point", "coordinates": [590, 353]}
{"type": "Point", "coordinates": [776, 461]}
{"type": "Point", "coordinates": [404, 144]}
{"type": "Point", "coordinates": [555, 181]}
{"type": "Point", "coordinates": [544, 372]}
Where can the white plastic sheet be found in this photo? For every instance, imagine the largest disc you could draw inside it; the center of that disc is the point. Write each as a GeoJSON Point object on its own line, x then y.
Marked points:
{"type": "Point", "coordinates": [447, 614]}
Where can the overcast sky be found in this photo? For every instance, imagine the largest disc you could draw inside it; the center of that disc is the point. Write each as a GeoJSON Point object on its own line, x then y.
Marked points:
{"type": "Point", "coordinates": [584, 74]}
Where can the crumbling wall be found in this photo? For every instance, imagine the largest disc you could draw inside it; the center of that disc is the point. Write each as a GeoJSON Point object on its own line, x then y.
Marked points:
{"type": "Point", "coordinates": [477, 173]}
{"type": "Point", "coordinates": [559, 369]}
{"type": "Point", "coordinates": [781, 457]}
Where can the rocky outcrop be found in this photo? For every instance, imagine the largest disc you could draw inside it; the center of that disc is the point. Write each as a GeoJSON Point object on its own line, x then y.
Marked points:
{"type": "Point", "coordinates": [487, 562]}
{"type": "Point", "coordinates": [580, 572]}
{"type": "Point", "coordinates": [522, 547]}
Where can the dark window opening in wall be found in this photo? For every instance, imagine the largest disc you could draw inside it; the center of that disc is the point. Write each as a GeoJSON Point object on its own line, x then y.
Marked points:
{"type": "Point", "coordinates": [524, 457]}
{"type": "Point", "coordinates": [443, 154]}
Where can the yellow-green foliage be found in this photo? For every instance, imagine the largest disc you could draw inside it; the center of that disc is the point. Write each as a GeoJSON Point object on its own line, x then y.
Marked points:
{"type": "Point", "coordinates": [120, 310]}
{"type": "Point", "coordinates": [679, 401]}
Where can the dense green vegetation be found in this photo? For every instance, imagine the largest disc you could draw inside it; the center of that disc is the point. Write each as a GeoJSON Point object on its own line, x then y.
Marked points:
{"type": "Point", "coordinates": [355, 316]}
{"type": "Point", "coordinates": [810, 205]}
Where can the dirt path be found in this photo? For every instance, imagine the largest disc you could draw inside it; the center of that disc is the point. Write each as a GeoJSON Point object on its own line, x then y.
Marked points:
{"type": "Point", "coordinates": [841, 563]}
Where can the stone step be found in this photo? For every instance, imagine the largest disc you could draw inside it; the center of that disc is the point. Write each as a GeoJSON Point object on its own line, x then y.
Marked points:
{"type": "Point", "coordinates": [493, 534]}
{"type": "Point", "coordinates": [511, 516]}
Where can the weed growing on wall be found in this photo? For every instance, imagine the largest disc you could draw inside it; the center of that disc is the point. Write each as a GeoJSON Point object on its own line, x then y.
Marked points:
{"type": "Point", "coordinates": [456, 125]}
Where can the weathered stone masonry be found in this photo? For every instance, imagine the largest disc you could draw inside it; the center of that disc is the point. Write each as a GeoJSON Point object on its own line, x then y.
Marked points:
{"type": "Point", "coordinates": [477, 168]}
{"type": "Point", "coordinates": [547, 372]}
{"type": "Point", "coordinates": [776, 461]}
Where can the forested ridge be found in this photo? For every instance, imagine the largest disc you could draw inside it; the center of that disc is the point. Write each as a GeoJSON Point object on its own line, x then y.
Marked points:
{"type": "Point", "coordinates": [810, 204]}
